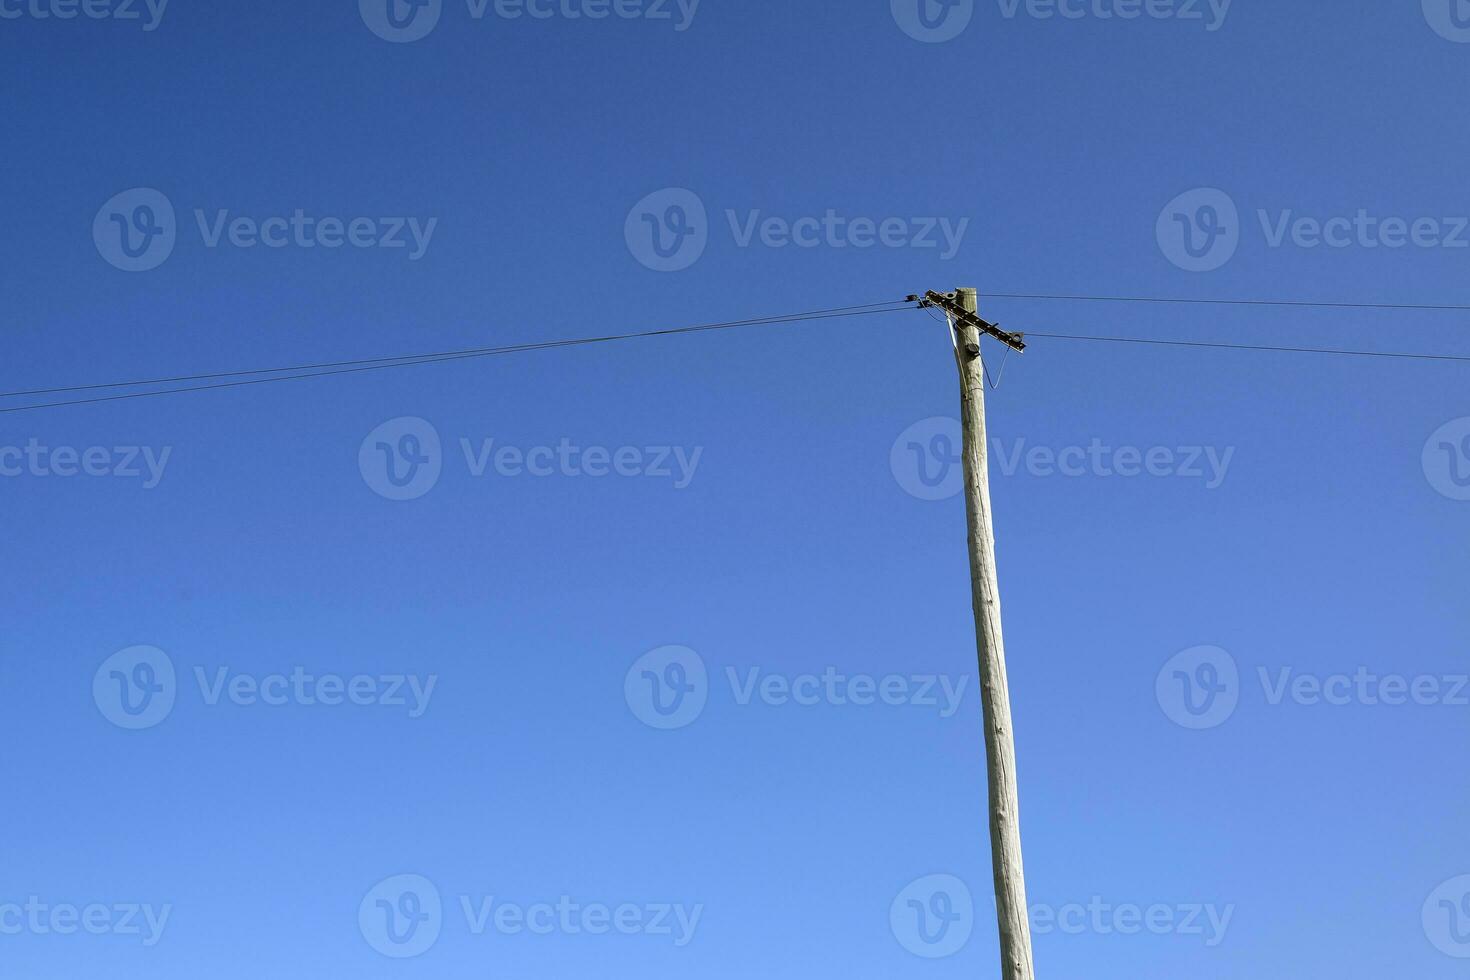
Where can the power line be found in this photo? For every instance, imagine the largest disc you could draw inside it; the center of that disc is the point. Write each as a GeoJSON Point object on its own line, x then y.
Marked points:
{"type": "Point", "coordinates": [325, 369]}
{"type": "Point", "coordinates": [468, 352]}
{"type": "Point", "coordinates": [379, 364]}
{"type": "Point", "coordinates": [1251, 347]}
{"type": "Point", "coordinates": [1230, 302]}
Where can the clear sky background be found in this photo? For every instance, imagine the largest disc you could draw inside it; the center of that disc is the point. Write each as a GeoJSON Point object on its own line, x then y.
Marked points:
{"type": "Point", "coordinates": [1330, 834]}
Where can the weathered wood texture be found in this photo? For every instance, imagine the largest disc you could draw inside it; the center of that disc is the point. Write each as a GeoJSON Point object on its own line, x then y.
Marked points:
{"type": "Point", "coordinates": [1000, 748]}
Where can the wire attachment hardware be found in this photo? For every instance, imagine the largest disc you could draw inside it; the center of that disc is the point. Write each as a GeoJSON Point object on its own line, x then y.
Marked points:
{"type": "Point", "coordinates": [948, 303]}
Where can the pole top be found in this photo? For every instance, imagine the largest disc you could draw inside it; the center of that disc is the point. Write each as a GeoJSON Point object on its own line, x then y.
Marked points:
{"type": "Point", "coordinates": [953, 304]}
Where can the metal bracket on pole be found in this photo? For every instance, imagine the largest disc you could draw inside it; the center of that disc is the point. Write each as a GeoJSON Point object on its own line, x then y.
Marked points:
{"type": "Point", "coordinates": [948, 302]}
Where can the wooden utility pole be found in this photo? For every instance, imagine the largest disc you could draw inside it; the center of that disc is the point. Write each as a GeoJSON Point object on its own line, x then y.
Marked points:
{"type": "Point", "coordinates": [1000, 746]}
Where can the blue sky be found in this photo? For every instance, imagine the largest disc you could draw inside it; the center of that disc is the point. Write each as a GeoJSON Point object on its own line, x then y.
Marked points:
{"type": "Point", "coordinates": [275, 654]}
